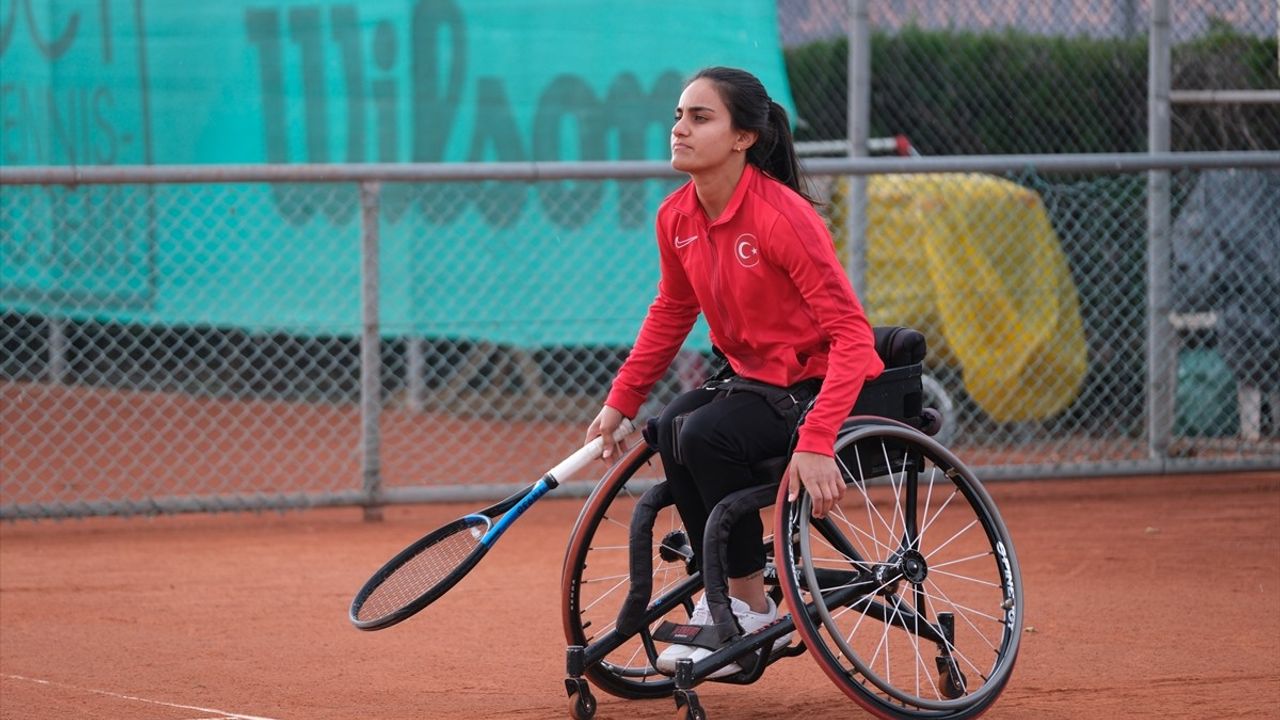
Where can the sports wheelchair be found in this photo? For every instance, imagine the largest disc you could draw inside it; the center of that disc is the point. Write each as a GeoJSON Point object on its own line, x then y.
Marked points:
{"type": "Point", "coordinates": [908, 594]}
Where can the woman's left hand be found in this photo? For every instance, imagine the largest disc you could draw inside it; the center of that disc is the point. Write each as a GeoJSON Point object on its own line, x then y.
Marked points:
{"type": "Point", "coordinates": [820, 477]}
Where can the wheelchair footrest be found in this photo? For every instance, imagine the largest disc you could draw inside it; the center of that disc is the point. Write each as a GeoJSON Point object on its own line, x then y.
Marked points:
{"type": "Point", "coordinates": [703, 636]}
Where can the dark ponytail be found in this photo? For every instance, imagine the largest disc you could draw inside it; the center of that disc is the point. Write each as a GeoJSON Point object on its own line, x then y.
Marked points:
{"type": "Point", "coordinates": [752, 109]}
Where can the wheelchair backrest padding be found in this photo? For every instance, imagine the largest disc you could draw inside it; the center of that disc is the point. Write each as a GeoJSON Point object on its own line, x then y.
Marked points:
{"type": "Point", "coordinates": [899, 346]}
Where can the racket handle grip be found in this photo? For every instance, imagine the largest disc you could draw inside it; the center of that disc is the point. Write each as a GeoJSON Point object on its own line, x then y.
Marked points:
{"type": "Point", "coordinates": [588, 453]}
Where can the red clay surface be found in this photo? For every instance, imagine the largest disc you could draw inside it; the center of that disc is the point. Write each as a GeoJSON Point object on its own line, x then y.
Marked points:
{"type": "Point", "coordinates": [1146, 598]}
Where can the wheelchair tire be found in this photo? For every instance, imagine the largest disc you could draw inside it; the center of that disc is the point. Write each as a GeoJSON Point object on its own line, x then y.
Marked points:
{"type": "Point", "coordinates": [595, 577]}
{"type": "Point", "coordinates": [913, 591]}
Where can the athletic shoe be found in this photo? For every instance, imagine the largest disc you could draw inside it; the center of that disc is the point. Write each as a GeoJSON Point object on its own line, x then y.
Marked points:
{"type": "Point", "coordinates": [701, 616]}
{"type": "Point", "coordinates": [750, 622]}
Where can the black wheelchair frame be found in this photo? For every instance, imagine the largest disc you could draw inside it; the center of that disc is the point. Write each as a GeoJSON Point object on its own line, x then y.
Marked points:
{"type": "Point", "coordinates": [928, 547]}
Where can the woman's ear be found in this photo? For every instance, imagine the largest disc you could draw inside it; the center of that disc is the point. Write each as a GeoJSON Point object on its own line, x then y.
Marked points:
{"type": "Point", "coordinates": [746, 139]}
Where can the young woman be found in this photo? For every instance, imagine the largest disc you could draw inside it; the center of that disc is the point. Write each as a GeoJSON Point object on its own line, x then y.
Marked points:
{"type": "Point", "coordinates": [742, 244]}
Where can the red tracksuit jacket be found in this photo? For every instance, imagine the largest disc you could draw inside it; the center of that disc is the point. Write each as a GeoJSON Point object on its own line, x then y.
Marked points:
{"type": "Point", "coordinates": [777, 301]}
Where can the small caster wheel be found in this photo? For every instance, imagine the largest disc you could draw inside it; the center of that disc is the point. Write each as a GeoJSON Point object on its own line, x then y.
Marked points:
{"type": "Point", "coordinates": [582, 707]}
{"type": "Point", "coordinates": [582, 704]}
{"type": "Point", "coordinates": [691, 713]}
{"type": "Point", "coordinates": [688, 712]}
{"type": "Point", "coordinates": [688, 707]}
{"type": "Point", "coordinates": [951, 682]}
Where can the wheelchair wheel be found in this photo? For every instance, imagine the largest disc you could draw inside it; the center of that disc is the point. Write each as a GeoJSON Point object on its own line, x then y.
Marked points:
{"type": "Point", "coordinates": [909, 593]}
{"type": "Point", "coordinates": [595, 578]}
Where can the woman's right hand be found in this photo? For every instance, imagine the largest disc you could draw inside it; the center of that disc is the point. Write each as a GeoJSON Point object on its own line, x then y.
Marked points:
{"type": "Point", "coordinates": [606, 426]}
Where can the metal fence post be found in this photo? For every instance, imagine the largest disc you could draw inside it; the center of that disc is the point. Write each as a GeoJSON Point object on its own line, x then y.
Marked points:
{"type": "Point", "coordinates": [415, 369]}
{"type": "Point", "coordinates": [1161, 355]}
{"type": "Point", "coordinates": [370, 353]}
{"type": "Point", "coordinates": [859, 122]}
{"type": "Point", "coordinates": [58, 348]}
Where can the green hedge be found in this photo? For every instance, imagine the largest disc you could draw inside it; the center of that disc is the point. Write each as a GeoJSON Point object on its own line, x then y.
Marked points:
{"type": "Point", "coordinates": [1224, 59]}
{"type": "Point", "coordinates": [955, 92]}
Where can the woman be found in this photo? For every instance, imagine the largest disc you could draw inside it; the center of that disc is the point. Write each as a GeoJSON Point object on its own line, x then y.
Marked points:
{"type": "Point", "coordinates": [742, 244]}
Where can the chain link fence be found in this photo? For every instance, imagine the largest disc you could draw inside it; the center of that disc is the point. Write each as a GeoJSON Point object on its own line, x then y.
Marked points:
{"type": "Point", "coordinates": [1030, 285]}
{"type": "Point", "coordinates": [1006, 76]}
{"type": "Point", "coordinates": [1072, 273]}
{"type": "Point", "coordinates": [256, 341]}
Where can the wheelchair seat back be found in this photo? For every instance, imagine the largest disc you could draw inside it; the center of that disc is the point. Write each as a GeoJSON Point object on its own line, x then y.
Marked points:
{"type": "Point", "coordinates": [897, 393]}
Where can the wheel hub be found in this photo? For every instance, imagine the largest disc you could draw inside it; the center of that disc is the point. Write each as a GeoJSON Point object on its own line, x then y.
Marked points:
{"type": "Point", "coordinates": [913, 567]}
{"type": "Point", "coordinates": [907, 565]}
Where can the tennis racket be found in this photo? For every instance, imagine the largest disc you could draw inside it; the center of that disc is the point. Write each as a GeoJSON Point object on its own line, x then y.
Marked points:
{"type": "Point", "coordinates": [430, 567]}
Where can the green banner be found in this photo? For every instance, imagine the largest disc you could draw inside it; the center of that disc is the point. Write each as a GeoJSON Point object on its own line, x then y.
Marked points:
{"type": "Point", "coordinates": [107, 82]}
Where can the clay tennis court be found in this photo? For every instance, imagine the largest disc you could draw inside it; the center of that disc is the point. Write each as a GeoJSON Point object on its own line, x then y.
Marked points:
{"type": "Point", "coordinates": [1146, 597]}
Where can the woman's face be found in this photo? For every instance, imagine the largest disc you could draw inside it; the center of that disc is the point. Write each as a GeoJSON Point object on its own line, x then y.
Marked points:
{"type": "Point", "coordinates": [703, 136]}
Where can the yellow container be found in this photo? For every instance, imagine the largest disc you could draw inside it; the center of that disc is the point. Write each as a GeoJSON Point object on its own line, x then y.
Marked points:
{"type": "Point", "coordinates": [972, 261]}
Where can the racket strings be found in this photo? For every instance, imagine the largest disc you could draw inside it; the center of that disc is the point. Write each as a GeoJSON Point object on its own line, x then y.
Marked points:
{"type": "Point", "coordinates": [422, 572]}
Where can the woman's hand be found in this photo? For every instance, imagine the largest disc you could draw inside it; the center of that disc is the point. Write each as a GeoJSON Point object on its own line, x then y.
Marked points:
{"type": "Point", "coordinates": [606, 426]}
{"type": "Point", "coordinates": [820, 477]}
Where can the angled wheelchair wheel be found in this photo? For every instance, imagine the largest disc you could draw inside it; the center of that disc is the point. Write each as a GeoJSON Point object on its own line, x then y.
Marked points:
{"type": "Point", "coordinates": [596, 574]}
{"type": "Point", "coordinates": [908, 593]}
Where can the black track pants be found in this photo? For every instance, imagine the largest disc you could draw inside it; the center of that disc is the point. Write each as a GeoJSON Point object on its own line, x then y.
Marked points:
{"type": "Point", "coordinates": [718, 443]}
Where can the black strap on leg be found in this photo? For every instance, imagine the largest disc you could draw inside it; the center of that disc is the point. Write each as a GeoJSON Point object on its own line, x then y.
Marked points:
{"type": "Point", "coordinates": [631, 615]}
{"type": "Point", "coordinates": [715, 552]}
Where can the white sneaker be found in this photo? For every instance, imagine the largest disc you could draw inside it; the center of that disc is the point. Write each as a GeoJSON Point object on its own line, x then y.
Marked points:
{"type": "Point", "coordinates": [701, 616]}
{"type": "Point", "coordinates": [751, 622]}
